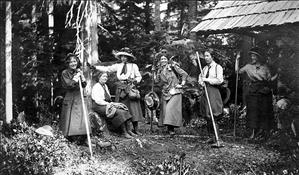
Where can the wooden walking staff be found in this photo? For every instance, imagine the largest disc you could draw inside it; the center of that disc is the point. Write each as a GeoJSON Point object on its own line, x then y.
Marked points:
{"type": "Point", "coordinates": [84, 107]}
{"type": "Point", "coordinates": [152, 90]}
{"type": "Point", "coordinates": [210, 108]}
{"type": "Point", "coordinates": [85, 117]}
{"type": "Point", "coordinates": [236, 94]}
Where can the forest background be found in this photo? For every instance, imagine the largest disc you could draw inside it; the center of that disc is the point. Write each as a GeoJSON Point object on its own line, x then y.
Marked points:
{"type": "Point", "coordinates": [38, 59]}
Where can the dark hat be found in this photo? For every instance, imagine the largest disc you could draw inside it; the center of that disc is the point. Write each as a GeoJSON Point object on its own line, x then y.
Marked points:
{"type": "Point", "coordinates": [260, 54]}
{"type": "Point", "coordinates": [70, 55]}
{"type": "Point", "coordinates": [152, 100]}
{"type": "Point", "coordinates": [257, 51]}
{"type": "Point", "coordinates": [125, 51]}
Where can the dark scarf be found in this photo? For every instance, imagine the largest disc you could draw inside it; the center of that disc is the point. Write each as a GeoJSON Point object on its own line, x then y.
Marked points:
{"type": "Point", "coordinates": [106, 94]}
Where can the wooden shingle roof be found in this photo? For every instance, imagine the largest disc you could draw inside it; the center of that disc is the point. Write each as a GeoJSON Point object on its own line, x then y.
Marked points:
{"type": "Point", "coordinates": [228, 16]}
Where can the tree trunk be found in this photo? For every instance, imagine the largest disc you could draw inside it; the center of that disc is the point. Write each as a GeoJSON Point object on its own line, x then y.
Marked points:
{"type": "Point", "coordinates": [8, 63]}
{"type": "Point", "coordinates": [192, 11]}
{"type": "Point", "coordinates": [91, 56]}
{"type": "Point", "coordinates": [245, 47]}
{"type": "Point", "coordinates": [51, 31]}
{"type": "Point", "coordinates": [91, 35]}
{"type": "Point", "coordinates": [147, 16]}
{"type": "Point", "coordinates": [183, 19]}
{"type": "Point", "coordinates": [192, 17]}
{"type": "Point", "coordinates": [34, 54]}
{"type": "Point", "coordinates": [157, 15]}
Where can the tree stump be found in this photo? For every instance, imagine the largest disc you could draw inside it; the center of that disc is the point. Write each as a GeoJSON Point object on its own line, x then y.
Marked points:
{"type": "Point", "coordinates": [98, 123]}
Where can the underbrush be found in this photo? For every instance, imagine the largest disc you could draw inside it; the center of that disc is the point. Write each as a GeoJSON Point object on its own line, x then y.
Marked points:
{"type": "Point", "coordinates": [25, 152]}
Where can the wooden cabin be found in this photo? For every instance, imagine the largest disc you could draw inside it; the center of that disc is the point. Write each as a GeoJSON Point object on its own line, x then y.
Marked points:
{"type": "Point", "coordinates": [273, 25]}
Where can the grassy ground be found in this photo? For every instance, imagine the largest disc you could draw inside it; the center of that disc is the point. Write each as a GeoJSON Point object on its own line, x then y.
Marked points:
{"type": "Point", "coordinates": [158, 153]}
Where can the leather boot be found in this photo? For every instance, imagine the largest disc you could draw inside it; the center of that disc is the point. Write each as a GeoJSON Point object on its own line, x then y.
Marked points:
{"type": "Point", "coordinates": [135, 126]}
{"type": "Point", "coordinates": [125, 133]}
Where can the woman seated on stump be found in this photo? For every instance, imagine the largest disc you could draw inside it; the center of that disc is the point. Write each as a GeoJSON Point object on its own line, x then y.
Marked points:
{"type": "Point", "coordinates": [116, 114]}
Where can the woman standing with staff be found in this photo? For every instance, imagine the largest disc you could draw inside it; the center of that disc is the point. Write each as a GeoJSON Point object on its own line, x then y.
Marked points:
{"type": "Point", "coordinates": [72, 121]}
{"type": "Point", "coordinates": [169, 76]}
{"type": "Point", "coordinates": [128, 76]}
{"type": "Point", "coordinates": [211, 76]}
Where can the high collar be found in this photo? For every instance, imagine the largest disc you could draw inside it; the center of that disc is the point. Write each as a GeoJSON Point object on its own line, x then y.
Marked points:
{"type": "Point", "coordinates": [72, 70]}
{"type": "Point", "coordinates": [213, 63]}
{"type": "Point", "coordinates": [103, 84]}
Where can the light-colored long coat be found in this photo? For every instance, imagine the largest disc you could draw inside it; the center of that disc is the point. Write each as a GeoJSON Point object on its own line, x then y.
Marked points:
{"type": "Point", "coordinates": [171, 105]}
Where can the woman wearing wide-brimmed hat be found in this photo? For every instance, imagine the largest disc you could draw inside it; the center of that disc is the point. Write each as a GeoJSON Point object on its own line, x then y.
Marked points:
{"type": "Point", "coordinates": [259, 96]}
{"type": "Point", "coordinates": [128, 76]}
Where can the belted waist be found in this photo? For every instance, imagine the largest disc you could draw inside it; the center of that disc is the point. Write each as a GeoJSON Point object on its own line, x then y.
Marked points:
{"type": "Point", "coordinates": [260, 87]}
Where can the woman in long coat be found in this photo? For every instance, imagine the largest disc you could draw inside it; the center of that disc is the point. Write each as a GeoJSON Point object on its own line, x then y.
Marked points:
{"type": "Point", "coordinates": [128, 76]}
{"type": "Point", "coordinates": [259, 97]}
{"type": "Point", "coordinates": [72, 121]}
{"type": "Point", "coordinates": [171, 100]}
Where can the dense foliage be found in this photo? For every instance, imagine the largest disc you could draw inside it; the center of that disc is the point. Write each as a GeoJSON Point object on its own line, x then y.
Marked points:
{"type": "Point", "coordinates": [25, 152]}
{"type": "Point", "coordinates": [39, 58]}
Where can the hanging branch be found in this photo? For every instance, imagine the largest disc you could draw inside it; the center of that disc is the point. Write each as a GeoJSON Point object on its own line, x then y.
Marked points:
{"type": "Point", "coordinates": [69, 16]}
{"type": "Point", "coordinates": [77, 24]}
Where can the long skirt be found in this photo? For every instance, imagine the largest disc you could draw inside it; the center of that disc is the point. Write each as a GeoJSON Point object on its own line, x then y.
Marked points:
{"type": "Point", "coordinates": [118, 119]}
{"type": "Point", "coordinates": [72, 119]}
{"type": "Point", "coordinates": [259, 111]}
{"type": "Point", "coordinates": [133, 105]}
{"type": "Point", "coordinates": [171, 111]}
{"type": "Point", "coordinates": [215, 101]}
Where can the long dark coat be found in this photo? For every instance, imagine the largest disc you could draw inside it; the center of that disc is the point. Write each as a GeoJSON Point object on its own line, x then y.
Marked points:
{"type": "Point", "coordinates": [72, 119]}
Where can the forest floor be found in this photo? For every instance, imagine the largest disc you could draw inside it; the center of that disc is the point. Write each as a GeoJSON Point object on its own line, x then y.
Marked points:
{"type": "Point", "coordinates": [185, 153]}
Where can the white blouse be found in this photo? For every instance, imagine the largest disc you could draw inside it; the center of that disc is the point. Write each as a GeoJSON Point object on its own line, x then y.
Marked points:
{"type": "Point", "coordinates": [215, 76]}
{"type": "Point", "coordinates": [132, 71]}
{"type": "Point", "coordinates": [98, 94]}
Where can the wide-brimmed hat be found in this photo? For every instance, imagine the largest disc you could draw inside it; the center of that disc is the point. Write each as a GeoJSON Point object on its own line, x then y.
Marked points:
{"type": "Point", "coordinates": [257, 51]}
{"type": "Point", "coordinates": [152, 100]}
{"type": "Point", "coordinates": [125, 51]}
{"type": "Point", "coordinates": [45, 130]}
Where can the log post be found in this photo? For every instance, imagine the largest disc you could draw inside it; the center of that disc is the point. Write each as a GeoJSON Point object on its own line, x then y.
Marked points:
{"type": "Point", "coordinates": [8, 63]}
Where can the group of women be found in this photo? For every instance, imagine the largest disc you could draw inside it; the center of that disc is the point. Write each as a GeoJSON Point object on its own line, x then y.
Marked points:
{"type": "Point", "coordinates": [124, 112]}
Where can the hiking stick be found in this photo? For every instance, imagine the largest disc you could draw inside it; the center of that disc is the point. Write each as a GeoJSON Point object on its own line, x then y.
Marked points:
{"type": "Point", "coordinates": [235, 111]}
{"type": "Point", "coordinates": [210, 108]}
{"type": "Point", "coordinates": [236, 94]}
{"type": "Point", "coordinates": [85, 117]}
{"type": "Point", "coordinates": [152, 90]}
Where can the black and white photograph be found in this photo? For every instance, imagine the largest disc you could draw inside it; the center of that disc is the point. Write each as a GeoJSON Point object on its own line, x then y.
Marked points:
{"type": "Point", "coordinates": [149, 87]}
